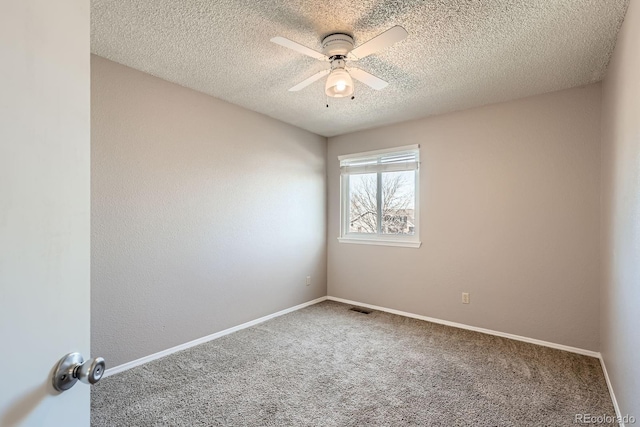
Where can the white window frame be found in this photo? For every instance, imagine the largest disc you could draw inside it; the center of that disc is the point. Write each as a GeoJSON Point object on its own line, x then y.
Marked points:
{"type": "Point", "coordinates": [379, 238]}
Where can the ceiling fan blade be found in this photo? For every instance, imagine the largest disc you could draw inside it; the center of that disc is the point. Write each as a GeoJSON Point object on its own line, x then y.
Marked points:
{"type": "Point", "coordinates": [299, 48]}
{"type": "Point", "coordinates": [368, 79]}
{"type": "Point", "coordinates": [381, 41]}
{"type": "Point", "coordinates": [307, 82]}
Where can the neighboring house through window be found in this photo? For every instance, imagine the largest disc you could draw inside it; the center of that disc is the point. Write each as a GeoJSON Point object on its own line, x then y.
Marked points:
{"type": "Point", "coordinates": [379, 197]}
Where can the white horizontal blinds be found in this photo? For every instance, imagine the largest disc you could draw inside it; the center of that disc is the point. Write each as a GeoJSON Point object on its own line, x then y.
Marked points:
{"type": "Point", "coordinates": [387, 162]}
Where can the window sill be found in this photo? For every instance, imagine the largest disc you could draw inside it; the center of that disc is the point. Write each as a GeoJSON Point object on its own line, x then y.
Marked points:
{"type": "Point", "coordinates": [381, 242]}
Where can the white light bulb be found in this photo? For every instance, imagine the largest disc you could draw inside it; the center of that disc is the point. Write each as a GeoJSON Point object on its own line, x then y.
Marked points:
{"type": "Point", "coordinates": [340, 86]}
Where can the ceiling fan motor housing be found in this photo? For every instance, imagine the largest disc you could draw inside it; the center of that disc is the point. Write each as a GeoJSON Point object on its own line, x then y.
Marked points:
{"type": "Point", "coordinates": [337, 45]}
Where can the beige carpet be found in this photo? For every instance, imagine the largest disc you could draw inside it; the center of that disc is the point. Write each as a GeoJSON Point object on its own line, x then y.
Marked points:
{"type": "Point", "coordinates": [328, 366]}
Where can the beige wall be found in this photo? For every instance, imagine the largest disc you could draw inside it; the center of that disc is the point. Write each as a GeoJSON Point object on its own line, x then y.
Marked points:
{"type": "Point", "coordinates": [204, 215]}
{"type": "Point", "coordinates": [620, 296]}
{"type": "Point", "coordinates": [509, 212]}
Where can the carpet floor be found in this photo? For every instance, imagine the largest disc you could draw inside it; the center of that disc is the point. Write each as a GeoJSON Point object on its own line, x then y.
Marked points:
{"type": "Point", "coordinates": [325, 365]}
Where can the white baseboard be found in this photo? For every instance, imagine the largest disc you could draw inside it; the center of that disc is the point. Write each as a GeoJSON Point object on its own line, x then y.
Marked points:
{"type": "Point", "coordinates": [163, 353]}
{"type": "Point", "coordinates": [471, 328]}
{"type": "Point", "coordinates": [611, 393]}
{"type": "Point", "coordinates": [146, 359]}
{"type": "Point", "coordinates": [499, 334]}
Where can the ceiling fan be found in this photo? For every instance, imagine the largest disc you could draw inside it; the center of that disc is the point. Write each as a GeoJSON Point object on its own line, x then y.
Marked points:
{"type": "Point", "coordinates": [338, 49]}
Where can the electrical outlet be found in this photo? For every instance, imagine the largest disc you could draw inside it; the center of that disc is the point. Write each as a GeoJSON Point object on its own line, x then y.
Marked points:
{"type": "Point", "coordinates": [308, 280]}
{"type": "Point", "coordinates": [465, 297]}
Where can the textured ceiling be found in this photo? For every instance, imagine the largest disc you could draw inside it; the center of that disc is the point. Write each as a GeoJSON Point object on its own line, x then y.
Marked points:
{"type": "Point", "coordinates": [459, 54]}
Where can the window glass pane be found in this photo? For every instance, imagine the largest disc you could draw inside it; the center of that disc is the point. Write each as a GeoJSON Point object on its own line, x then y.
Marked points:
{"type": "Point", "coordinates": [398, 202]}
{"type": "Point", "coordinates": [363, 204]}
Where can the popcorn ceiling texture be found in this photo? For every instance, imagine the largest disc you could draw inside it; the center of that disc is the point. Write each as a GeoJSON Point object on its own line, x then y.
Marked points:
{"type": "Point", "coordinates": [459, 54]}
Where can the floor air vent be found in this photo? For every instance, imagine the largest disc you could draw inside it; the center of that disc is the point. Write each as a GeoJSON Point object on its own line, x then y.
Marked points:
{"type": "Point", "coordinates": [360, 310]}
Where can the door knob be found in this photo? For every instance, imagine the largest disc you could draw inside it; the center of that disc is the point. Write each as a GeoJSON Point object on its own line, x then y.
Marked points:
{"type": "Point", "coordinates": [73, 367]}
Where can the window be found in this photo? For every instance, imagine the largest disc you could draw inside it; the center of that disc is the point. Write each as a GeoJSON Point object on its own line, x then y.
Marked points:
{"type": "Point", "coordinates": [379, 197]}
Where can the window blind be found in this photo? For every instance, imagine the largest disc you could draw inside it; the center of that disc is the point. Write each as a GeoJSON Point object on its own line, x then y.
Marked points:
{"type": "Point", "coordinates": [387, 162]}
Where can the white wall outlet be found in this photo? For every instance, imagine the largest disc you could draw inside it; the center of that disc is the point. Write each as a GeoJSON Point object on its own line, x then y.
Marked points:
{"type": "Point", "coordinates": [308, 280]}
{"type": "Point", "coordinates": [465, 297]}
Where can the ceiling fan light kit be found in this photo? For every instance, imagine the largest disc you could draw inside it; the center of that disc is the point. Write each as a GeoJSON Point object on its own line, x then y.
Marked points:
{"type": "Point", "coordinates": [339, 83]}
{"type": "Point", "coordinates": [338, 48]}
